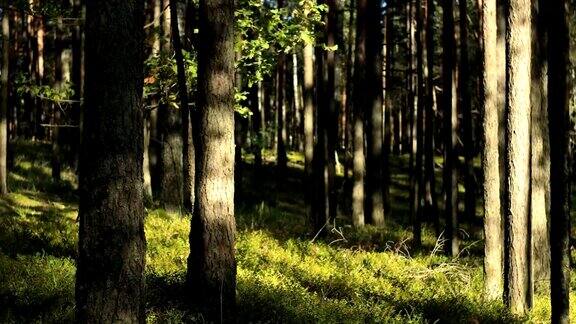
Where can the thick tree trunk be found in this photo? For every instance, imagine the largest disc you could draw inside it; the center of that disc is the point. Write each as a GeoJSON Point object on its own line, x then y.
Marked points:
{"type": "Point", "coordinates": [540, 164]}
{"type": "Point", "coordinates": [493, 222]}
{"type": "Point", "coordinates": [110, 280]}
{"type": "Point", "coordinates": [449, 102]}
{"type": "Point", "coordinates": [559, 118]}
{"type": "Point", "coordinates": [187, 145]}
{"type": "Point", "coordinates": [212, 265]}
{"type": "Point", "coordinates": [4, 103]}
{"type": "Point", "coordinates": [518, 282]}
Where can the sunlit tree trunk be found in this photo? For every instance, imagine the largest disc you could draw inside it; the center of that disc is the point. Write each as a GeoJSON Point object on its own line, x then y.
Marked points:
{"type": "Point", "coordinates": [518, 281]}
{"type": "Point", "coordinates": [212, 264]}
{"type": "Point", "coordinates": [493, 222]}
{"type": "Point", "coordinates": [112, 246]}
{"type": "Point", "coordinates": [559, 119]}
{"type": "Point", "coordinates": [309, 120]}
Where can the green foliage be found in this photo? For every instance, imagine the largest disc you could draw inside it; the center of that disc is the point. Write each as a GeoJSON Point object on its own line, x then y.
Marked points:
{"type": "Point", "coordinates": [369, 275]}
{"type": "Point", "coordinates": [263, 32]}
{"type": "Point", "coordinates": [25, 85]}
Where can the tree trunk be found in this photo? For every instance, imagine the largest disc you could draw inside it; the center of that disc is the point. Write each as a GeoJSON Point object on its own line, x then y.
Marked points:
{"type": "Point", "coordinates": [212, 265]}
{"type": "Point", "coordinates": [559, 118]}
{"type": "Point", "coordinates": [349, 85]}
{"type": "Point", "coordinates": [467, 118]}
{"type": "Point", "coordinates": [360, 101]}
{"type": "Point", "coordinates": [332, 110]}
{"type": "Point", "coordinates": [540, 164]}
{"type": "Point", "coordinates": [518, 281]}
{"type": "Point", "coordinates": [430, 200]}
{"type": "Point", "coordinates": [419, 189]}
{"type": "Point", "coordinates": [187, 145]}
{"type": "Point", "coordinates": [449, 102]}
{"type": "Point", "coordinates": [282, 135]}
{"type": "Point", "coordinates": [374, 114]}
{"type": "Point", "coordinates": [110, 280]}
{"type": "Point", "coordinates": [170, 132]}
{"type": "Point", "coordinates": [309, 119]}
{"type": "Point", "coordinates": [4, 102]}
{"type": "Point", "coordinates": [493, 224]}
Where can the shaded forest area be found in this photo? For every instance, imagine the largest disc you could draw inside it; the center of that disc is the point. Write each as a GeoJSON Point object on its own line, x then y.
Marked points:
{"type": "Point", "coordinates": [287, 161]}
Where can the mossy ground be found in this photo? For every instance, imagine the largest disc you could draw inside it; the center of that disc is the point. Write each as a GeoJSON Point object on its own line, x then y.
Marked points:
{"type": "Point", "coordinates": [367, 275]}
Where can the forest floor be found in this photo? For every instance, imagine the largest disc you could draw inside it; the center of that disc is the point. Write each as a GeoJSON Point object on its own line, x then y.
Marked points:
{"type": "Point", "coordinates": [367, 275]}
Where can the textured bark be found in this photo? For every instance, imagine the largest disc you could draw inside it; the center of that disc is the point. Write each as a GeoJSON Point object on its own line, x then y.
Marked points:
{"type": "Point", "coordinates": [360, 101]}
{"type": "Point", "coordinates": [449, 102]}
{"type": "Point", "coordinates": [467, 118]}
{"type": "Point", "coordinates": [518, 281]}
{"type": "Point", "coordinates": [170, 135]}
{"type": "Point", "coordinates": [493, 223]}
{"type": "Point", "coordinates": [212, 264]}
{"type": "Point", "coordinates": [110, 281]}
{"type": "Point", "coordinates": [559, 118]}
{"type": "Point", "coordinates": [540, 164]}
{"type": "Point", "coordinates": [4, 102]}
{"type": "Point", "coordinates": [187, 145]}
{"type": "Point", "coordinates": [372, 90]}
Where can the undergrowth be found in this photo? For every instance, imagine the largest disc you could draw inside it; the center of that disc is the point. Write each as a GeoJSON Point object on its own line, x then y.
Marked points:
{"type": "Point", "coordinates": [284, 275]}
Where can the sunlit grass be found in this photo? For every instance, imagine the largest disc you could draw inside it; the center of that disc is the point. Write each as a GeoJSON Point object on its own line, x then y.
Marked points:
{"type": "Point", "coordinates": [367, 275]}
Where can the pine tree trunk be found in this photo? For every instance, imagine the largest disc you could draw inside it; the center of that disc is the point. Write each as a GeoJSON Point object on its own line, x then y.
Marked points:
{"type": "Point", "coordinates": [419, 183]}
{"type": "Point", "coordinates": [493, 222]}
{"type": "Point", "coordinates": [449, 102]}
{"type": "Point", "coordinates": [282, 136]}
{"type": "Point", "coordinates": [430, 200]}
{"type": "Point", "coordinates": [540, 164]}
{"type": "Point", "coordinates": [309, 121]}
{"type": "Point", "coordinates": [518, 281]}
{"type": "Point", "coordinates": [559, 118]}
{"type": "Point", "coordinates": [360, 101]}
{"type": "Point", "coordinates": [374, 115]}
{"type": "Point", "coordinates": [187, 145]}
{"type": "Point", "coordinates": [110, 280]}
{"type": "Point", "coordinates": [212, 265]}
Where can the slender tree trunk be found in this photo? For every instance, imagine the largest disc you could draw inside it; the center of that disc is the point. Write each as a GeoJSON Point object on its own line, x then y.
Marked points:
{"type": "Point", "coordinates": [412, 111]}
{"type": "Point", "coordinates": [187, 145]}
{"type": "Point", "coordinates": [297, 104]}
{"type": "Point", "coordinates": [212, 264]}
{"type": "Point", "coordinates": [449, 102]}
{"type": "Point", "coordinates": [540, 164]}
{"type": "Point", "coordinates": [309, 120]}
{"type": "Point", "coordinates": [559, 118]}
{"type": "Point", "coordinates": [282, 135]}
{"type": "Point", "coordinates": [170, 131]}
{"type": "Point", "coordinates": [430, 200]}
{"type": "Point", "coordinates": [419, 189]}
{"type": "Point", "coordinates": [518, 281]}
{"type": "Point", "coordinates": [374, 115]}
{"type": "Point", "coordinates": [332, 112]}
{"type": "Point", "coordinates": [349, 84]}
{"type": "Point", "coordinates": [467, 118]}
{"type": "Point", "coordinates": [493, 223]}
{"type": "Point", "coordinates": [152, 145]}
{"type": "Point", "coordinates": [388, 103]}
{"type": "Point", "coordinates": [112, 246]}
{"type": "Point", "coordinates": [4, 102]}
{"type": "Point", "coordinates": [360, 101]}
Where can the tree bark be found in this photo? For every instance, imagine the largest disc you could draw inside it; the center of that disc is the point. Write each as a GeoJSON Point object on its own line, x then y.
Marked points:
{"type": "Point", "coordinates": [110, 281]}
{"type": "Point", "coordinates": [212, 264]}
{"type": "Point", "coordinates": [449, 102]}
{"type": "Point", "coordinates": [540, 164]}
{"type": "Point", "coordinates": [559, 119]}
{"type": "Point", "coordinates": [518, 281]}
{"type": "Point", "coordinates": [309, 120]}
{"type": "Point", "coordinates": [187, 145]}
{"type": "Point", "coordinates": [282, 135]}
{"type": "Point", "coordinates": [493, 223]}
{"type": "Point", "coordinates": [374, 114]}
